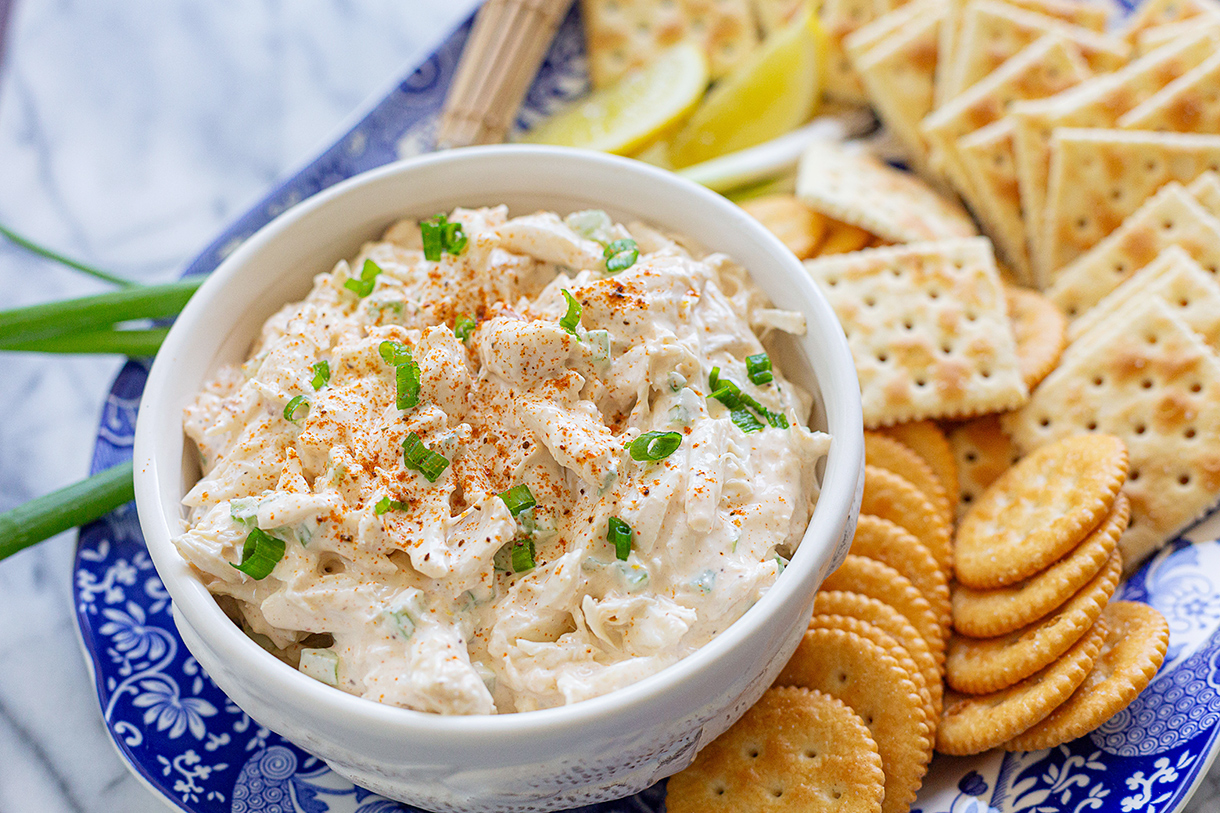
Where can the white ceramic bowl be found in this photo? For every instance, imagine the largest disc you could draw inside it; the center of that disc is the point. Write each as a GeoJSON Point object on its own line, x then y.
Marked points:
{"type": "Point", "coordinates": [603, 748]}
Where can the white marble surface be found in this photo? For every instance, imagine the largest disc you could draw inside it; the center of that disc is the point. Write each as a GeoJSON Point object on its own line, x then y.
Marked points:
{"type": "Point", "coordinates": [130, 132]}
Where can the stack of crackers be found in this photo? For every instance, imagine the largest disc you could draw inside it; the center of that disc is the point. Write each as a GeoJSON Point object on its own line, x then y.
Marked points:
{"type": "Point", "coordinates": [1040, 655]}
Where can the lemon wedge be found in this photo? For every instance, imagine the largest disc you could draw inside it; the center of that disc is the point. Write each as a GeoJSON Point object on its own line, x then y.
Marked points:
{"type": "Point", "coordinates": [634, 111]}
{"type": "Point", "coordinates": [776, 89]}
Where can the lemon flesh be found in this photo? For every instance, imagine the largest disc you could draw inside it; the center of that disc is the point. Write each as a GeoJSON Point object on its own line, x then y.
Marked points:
{"type": "Point", "coordinates": [634, 111]}
{"type": "Point", "coordinates": [775, 90]}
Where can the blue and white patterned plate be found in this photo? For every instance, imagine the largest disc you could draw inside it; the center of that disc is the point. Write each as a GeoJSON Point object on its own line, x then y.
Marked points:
{"type": "Point", "coordinates": [189, 742]}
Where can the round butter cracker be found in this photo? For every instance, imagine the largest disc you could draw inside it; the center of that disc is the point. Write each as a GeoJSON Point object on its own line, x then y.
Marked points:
{"type": "Point", "coordinates": [794, 750]}
{"type": "Point", "coordinates": [1132, 653]}
{"type": "Point", "coordinates": [859, 574]}
{"type": "Point", "coordinates": [989, 613]}
{"type": "Point", "coordinates": [930, 443]}
{"type": "Point", "coordinates": [982, 665]}
{"type": "Point", "coordinates": [1039, 510]}
{"type": "Point", "coordinates": [892, 648]}
{"type": "Point", "coordinates": [890, 544]}
{"type": "Point", "coordinates": [797, 226]}
{"type": "Point", "coordinates": [983, 452]}
{"type": "Point", "coordinates": [1040, 330]}
{"type": "Point", "coordinates": [890, 496]}
{"type": "Point", "coordinates": [885, 452]}
{"type": "Point", "coordinates": [972, 724]}
{"type": "Point", "coordinates": [889, 620]}
{"type": "Point", "coordinates": [876, 687]}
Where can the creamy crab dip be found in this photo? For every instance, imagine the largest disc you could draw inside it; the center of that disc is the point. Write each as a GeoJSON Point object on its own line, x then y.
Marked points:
{"type": "Point", "coordinates": [499, 464]}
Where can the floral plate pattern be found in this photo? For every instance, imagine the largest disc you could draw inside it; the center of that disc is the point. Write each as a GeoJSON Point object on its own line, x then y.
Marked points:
{"type": "Point", "coordinates": [189, 742]}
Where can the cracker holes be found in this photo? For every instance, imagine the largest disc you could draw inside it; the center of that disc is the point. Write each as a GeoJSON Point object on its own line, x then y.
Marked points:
{"type": "Point", "coordinates": [809, 753]}
{"type": "Point", "coordinates": [1116, 193]}
{"type": "Point", "coordinates": [1120, 268]}
{"type": "Point", "coordinates": [1196, 387]}
{"type": "Point", "coordinates": [1091, 426]}
{"type": "Point", "coordinates": [1184, 480]}
{"type": "Point", "coordinates": [1133, 475]}
{"type": "Point", "coordinates": [1147, 383]}
{"type": "Point", "coordinates": [934, 294]}
{"type": "Point", "coordinates": [1184, 302]}
{"type": "Point", "coordinates": [985, 373]}
{"type": "Point", "coordinates": [842, 678]}
{"type": "Point", "coordinates": [908, 324]}
{"type": "Point", "coordinates": [777, 792]}
{"type": "Point", "coordinates": [1141, 428]}
{"type": "Point", "coordinates": [832, 281]}
{"type": "Point", "coordinates": [1151, 165]}
{"type": "Point", "coordinates": [1082, 224]}
{"type": "Point", "coordinates": [882, 358]}
{"type": "Point", "coordinates": [1151, 338]}
{"type": "Point", "coordinates": [1190, 433]}
{"type": "Point", "coordinates": [719, 790]}
{"type": "Point", "coordinates": [966, 498]}
{"type": "Point", "coordinates": [753, 751]}
{"type": "Point", "coordinates": [946, 348]}
{"type": "Point", "coordinates": [998, 160]}
{"type": "Point", "coordinates": [1167, 225]}
{"type": "Point", "coordinates": [921, 383]}
{"type": "Point", "coordinates": [971, 316]}
{"type": "Point", "coordinates": [870, 302]}
{"type": "Point", "coordinates": [971, 457]}
{"type": "Point", "coordinates": [1072, 310]}
{"type": "Point", "coordinates": [1099, 381]}
{"type": "Point", "coordinates": [1044, 421]}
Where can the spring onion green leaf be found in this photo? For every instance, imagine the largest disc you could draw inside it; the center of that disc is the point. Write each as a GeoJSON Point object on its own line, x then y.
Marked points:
{"type": "Point", "coordinates": [260, 554]}
{"type": "Point", "coordinates": [54, 256]}
{"type": "Point", "coordinates": [393, 353]}
{"type": "Point", "coordinates": [419, 457]}
{"type": "Point", "coordinates": [94, 313]}
{"type": "Point", "coordinates": [654, 445]}
{"type": "Point", "coordinates": [463, 326]}
{"type": "Point", "coordinates": [386, 504]}
{"type": "Point", "coordinates": [571, 319]}
{"type": "Point", "coordinates": [321, 374]}
{"type": "Point", "coordinates": [455, 238]}
{"type": "Point", "coordinates": [441, 236]}
{"type": "Point", "coordinates": [136, 343]}
{"type": "Point", "coordinates": [518, 498]}
{"type": "Point", "coordinates": [745, 420]}
{"type": "Point", "coordinates": [368, 278]}
{"type": "Point", "coordinates": [522, 555]}
{"type": "Point", "coordinates": [776, 419]}
{"type": "Point", "coordinates": [621, 255]}
{"type": "Point", "coordinates": [619, 534]}
{"type": "Point", "coordinates": [406, 381]}
{"type": "Point", "coordinates": [77, 504]}
{"type": "Point", "coordinates": [758, 368]}
{"type": "Point", "coordinates": [297, 407]}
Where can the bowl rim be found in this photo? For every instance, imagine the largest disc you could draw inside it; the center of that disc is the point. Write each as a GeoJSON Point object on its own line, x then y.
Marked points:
{"type": "Point", "coordinates": [193, 602]}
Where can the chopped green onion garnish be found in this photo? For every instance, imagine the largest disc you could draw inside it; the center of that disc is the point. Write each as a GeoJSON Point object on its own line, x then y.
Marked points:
{"type": "Point", "coordinates": [368, 278]}
{"type": "Point", "coordinates": [441, 236]}
{"type": "Point", "coordinates": [463, 326]}
{"type": "Point", "coordinates": [758, 367]}
{"type": "Point", "coordinates": [618, 533]}
{"type": "Point", "coordinates": [729, 394]}
{"type": "Point", "coordinates": [419, 457]}
{"type": "Point", "coordinates": [407, 382]}
{"type": "Point", "coordinates": [776, 419]}
{"type": "Point", "coordinates": [518, 498]}
{"type": "Point", "coordinates": [406, 376]}
{"type": "Point", "coordinates": [260, 554]}
{"type": "Point", "coordinates": [297, 407]}
{"type": "Point", "coordinates": [654, 445]}
{"type": "Point", "coordinates": [321, 374]}
{"type": "Point", "coordinates": [522, 555]}
{"type": "Point", "coordinates": [386, 504]}
{"type": "Point", "coordinates": [393, 353]}
{"type": "Point", "coordinates": [455, 238]}
{"type": "Point", "coordinates": [745, 420]}
{"type": "Point", "coordinates": [570, 319]}
{"type": "Point", "coordinates": [621, 255]}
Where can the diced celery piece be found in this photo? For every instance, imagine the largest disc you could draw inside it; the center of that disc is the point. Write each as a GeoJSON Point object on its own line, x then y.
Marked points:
{"type": "Point", "coordinates": [321, 664]}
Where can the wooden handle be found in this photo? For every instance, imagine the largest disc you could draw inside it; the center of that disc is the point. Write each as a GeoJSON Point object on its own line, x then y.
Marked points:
{"type": "Point", "coordinates": [500, 60]}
